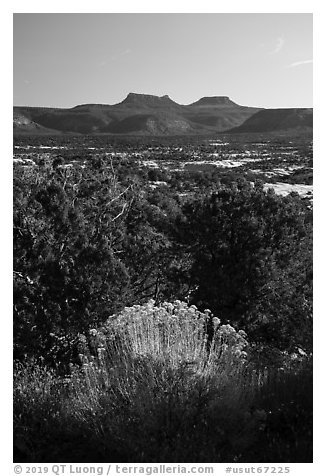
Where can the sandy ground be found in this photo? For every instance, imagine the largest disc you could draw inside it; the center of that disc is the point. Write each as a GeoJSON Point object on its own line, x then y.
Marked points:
{"type": "Point", "coordinates": [286, 188]}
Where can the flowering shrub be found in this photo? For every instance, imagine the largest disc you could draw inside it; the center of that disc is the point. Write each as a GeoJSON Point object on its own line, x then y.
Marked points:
{"type": "Point", "coordinates": [173, 333]}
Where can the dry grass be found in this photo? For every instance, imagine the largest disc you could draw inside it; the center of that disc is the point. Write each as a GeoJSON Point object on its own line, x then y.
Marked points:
{"type": "Point", "coordinates": [152, 389]}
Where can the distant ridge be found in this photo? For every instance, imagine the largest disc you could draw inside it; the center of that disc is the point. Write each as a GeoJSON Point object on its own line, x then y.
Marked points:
{"type": "Point", "coordinates": [270, 120]}
{"type": "Point", "coordinates": [147, 114]}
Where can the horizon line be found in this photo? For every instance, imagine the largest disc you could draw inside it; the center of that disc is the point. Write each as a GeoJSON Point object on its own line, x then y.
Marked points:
{"type": "Point", "coordinates": [160, 97]}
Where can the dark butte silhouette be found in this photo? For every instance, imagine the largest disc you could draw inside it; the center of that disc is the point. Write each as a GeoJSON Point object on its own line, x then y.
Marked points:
{"type": "Point", "coordinates": [145, 114]}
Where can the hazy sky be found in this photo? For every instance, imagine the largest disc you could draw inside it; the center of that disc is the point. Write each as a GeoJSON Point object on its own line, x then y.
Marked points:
{"type": "Point", "coordinates": [62, 60]}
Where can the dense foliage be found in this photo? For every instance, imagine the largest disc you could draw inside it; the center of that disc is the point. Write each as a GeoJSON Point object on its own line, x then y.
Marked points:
{"type": "Point", "coordinates": [119, 272]}
{"type": "Point", "coordinates": [85, 246]}
{"type": "Point", "coordinates": [252, 263]}
{"type": "Point", "coordinates": [89, 241]}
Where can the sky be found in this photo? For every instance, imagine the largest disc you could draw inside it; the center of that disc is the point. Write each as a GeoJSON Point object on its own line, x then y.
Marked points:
{"type": "Point", "coordinates": [263, 60]}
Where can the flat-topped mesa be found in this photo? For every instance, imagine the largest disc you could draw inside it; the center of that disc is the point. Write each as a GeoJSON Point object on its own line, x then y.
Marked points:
{"type": "Point", "coordinates": [214, 101]}
{"type": "Point", "coordinates": [148, 100]}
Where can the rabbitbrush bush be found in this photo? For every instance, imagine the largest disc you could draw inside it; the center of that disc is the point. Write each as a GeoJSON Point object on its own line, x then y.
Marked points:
{"type": "Point", "coordinates": [173, 333]}
{"type": "Point", "coordinates": [158, 378]}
